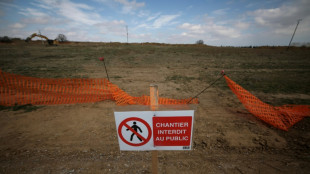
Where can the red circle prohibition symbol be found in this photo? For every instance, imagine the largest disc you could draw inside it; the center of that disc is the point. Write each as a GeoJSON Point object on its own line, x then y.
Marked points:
{"type": "Point", "coordinates": [124, 123]}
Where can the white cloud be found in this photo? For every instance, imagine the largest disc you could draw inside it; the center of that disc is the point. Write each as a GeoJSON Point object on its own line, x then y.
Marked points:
{"type": "Point", "coordinates": [220, 12]}
{"type": "Point", "coordinates": [209, 29]}
{"type": "Point", "coordinates": [156, 21]}
{"type": "Point", "coordinates": [153, 17]}
{"type": "Point", "coordinates": [283, 16]}
{"type": "Point", "coordinates": [115, 27]}
{"type": "Point", "coordinates": [54, 17]}
{"type": "Point", "coordinates": [144, 37]}
{"type": "Point", "coordinates": [242, 25]}
{"type": "Point", "coordinates": [164, 20]}
{"type": "Point", "coordinates": [130, 6]}
{"type": "Point", "coordinates": [279, 23]}
{"type": "Point", "coordinates": [34, 16]}
{"type": "Point", "coordinates": [8, 3]}
{"type": "Point", "coordinates": [17, 25]}
{"type": "Point", "coordinates": [32, 12]}
{"type": "Point", "coordinates": [276, 23]}
{"type": "Point", "coordinates": [62, 10]}
{"type": "Point", "coordinates": [76, 12]}
{"type": "Point", "coordinates": [84, 21]}
{"type": "Point", "coordinates": [283, 31]}
{"type": "Point", "coordinates": [44, 20]}
{"type": "Point", "coordinates": [143, 26]}
{"type": "Point", "coordinates": [192, 28]}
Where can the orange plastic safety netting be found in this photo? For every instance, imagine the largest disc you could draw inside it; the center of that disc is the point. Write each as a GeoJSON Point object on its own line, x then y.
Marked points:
{"type": "Point", "coordinates": [21, 90]}
{"type": "Point", "coordinates": [282, 117]}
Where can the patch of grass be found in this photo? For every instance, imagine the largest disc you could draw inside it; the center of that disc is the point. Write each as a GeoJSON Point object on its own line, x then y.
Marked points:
{"type": "Point", "coordinates": [285, 101]}
{"type": "Point", "coordinates": [117, 77]}
{"type": "Point", "coordinates": [179, 78]}
{"type": "Point", "coordinates": [275, 81]}
{"type": "Point", "coordinates": [259, 70]}
{"type": "Point", "coordinates": [25, 108]}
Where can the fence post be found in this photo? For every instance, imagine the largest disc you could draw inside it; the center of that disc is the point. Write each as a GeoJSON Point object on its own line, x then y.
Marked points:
{"type": "Point", "coordinates": [154, 107]}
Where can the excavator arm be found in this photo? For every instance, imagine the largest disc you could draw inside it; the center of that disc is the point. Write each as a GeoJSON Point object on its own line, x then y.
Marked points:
{"type": "Point", "coordinates": [49, 41]}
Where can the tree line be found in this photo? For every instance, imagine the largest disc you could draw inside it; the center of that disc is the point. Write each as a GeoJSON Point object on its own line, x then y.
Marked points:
{"type": "Point", "coordinates": [7, 39]}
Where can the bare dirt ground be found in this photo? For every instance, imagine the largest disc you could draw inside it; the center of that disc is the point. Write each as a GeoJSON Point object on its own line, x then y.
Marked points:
{"type": "Point", "coordinates": [82, 138]}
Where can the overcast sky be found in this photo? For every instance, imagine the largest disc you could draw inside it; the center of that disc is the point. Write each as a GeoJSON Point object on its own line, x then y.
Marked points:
{"type": "Point", "coordinates": [216, 22]}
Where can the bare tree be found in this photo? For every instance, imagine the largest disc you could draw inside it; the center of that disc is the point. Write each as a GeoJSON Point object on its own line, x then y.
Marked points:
{"type": "Point", "coordinates": [61, 38]}
{"type": "Point", "coordinates": [200, 42]}
{"type": "Point", "coordinates": [5, 39]}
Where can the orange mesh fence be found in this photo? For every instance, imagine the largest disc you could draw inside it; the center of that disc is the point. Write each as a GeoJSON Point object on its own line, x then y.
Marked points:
{"type": "Point", "coordinates": [282, 117]}
{"type": "Point", "coordinates": [21, 90]}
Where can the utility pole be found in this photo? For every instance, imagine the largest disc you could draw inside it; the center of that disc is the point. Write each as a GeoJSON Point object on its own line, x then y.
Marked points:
{"type": "Point", "coordinates": [41, 37]}
{"type": "Point", "coordinates": [293, 34]}
{"type": "Point", "coordinates": [127, 32]}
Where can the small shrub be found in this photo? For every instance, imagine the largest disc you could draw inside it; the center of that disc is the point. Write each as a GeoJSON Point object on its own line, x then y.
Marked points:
{"type": "Point", "coordinates": [199, 42]}
{"type": "Point", "coordinates": [5, 39]}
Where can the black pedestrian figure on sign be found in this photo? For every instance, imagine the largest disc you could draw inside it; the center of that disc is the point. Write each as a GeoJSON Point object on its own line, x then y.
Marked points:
{"type": "Point", "coordinates": [136, 128]}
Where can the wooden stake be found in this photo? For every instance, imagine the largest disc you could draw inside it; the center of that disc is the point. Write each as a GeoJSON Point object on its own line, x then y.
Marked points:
{"type": "Point", "coordinates": [155, 162]}
{"type": "Point", "coordinates": [154, 97]}
{"type": "Point", "coordinates": [154, 106]}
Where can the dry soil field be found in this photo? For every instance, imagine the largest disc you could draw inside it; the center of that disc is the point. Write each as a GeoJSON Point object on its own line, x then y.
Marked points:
{"type": "Point", "coordinates": [82, 138]}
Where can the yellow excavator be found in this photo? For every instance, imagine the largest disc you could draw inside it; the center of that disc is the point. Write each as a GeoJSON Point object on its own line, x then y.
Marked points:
{"type": "Point", "coordinates": [49, 41]}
